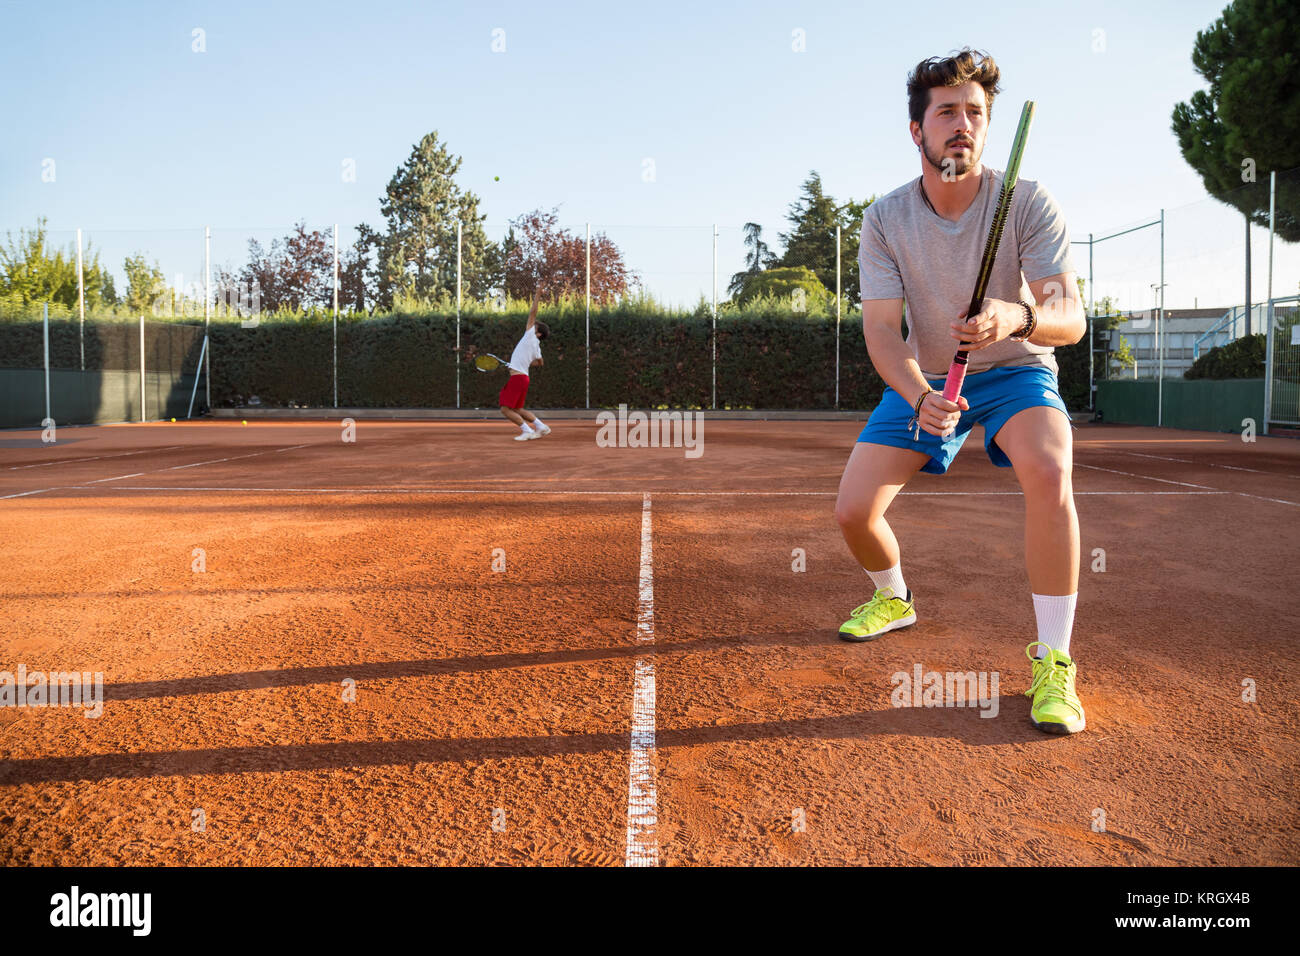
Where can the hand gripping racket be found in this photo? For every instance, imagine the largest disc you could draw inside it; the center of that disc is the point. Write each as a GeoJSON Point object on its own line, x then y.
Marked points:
{"type": "Point", "coordinates": [957, 373]}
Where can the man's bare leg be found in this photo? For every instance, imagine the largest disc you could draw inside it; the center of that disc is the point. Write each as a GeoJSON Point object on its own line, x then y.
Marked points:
{"type": "Point", "coordinates": [873, 477]}
{"type": "Point", "coordinates": [1038, 442]}
{"type": "Point", "coordinates": [526, 414]}
{"type": "Point", "coordinates": [513, 415]}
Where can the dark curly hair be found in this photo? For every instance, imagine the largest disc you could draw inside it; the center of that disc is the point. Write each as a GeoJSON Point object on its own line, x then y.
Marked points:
{"type": "Point", "coordinates": [542, 330]}
{"type": "Point", "coordinates": [951, 71]}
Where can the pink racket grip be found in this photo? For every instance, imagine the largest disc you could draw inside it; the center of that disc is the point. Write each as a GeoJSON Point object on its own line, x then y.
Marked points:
{"type": "Point", "coordinates": [956, 376]}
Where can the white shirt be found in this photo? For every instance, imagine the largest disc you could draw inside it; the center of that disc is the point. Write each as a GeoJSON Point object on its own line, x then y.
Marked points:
{"type": "Point", "coordinates": [526, 352]}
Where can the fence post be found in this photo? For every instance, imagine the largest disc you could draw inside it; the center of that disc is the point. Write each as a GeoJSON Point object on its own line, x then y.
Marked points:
{"type": "Point", "coordinates": [458, 231]}
{"type": "Point", "coordinates": [46, 325]}
{"type": "Point", "coordinates": [1268, 327]}
{"type": "Point", "coordinates": [837, 315]}
{"type": "Point", "coordinates": [589, 315]}
{"type": "Point", "coordinates": [1160, 331]}
{"type": "Point", "coordinates": [1092, 313]}
{"type": "Point", "coordinates": [715, 316]}
{"type": "Point", "coordinates": [207, 319]}
{"type": "Point", "coordinates": [81, 299]}
{"type": "Point", "coordinates": [142, 417]}
{"type": "Point", "coordinates": [336, 315]}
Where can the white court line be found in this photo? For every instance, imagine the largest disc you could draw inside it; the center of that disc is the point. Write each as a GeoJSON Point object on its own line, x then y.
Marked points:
{"type": "Point", "coordinates": [1280, 501]}
{"type": "Point", "coordinates": [1129, 474]}
{"type": "Point", "coordinates": [642, 803]}
{"type": "Point", "coordinates": [24, 494]}
{"type": "Point", "coordinates": [137, 474]}
{"type": "Point", "coordinates": [1210, 464]}
{"type": "Point", "coordinates": [217, 461]}
{"type": "Point", "coordinates": [69, 461]}
{"type": "Point", "coordinates": [608, 494]}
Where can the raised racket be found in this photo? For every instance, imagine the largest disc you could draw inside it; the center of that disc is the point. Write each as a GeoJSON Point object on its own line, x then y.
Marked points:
{"type": "Point", "coordinates": [957, 373]}
{"type": "Point", "coordinates": [487, 362]}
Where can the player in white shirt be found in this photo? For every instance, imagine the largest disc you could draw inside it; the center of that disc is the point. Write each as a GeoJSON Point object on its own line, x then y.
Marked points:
{"type": "Point", "coordinates": [526, 354]}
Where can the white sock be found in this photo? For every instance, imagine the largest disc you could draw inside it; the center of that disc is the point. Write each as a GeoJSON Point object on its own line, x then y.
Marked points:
{"type": "Point", "coordinates": [1055, 614]}
{"type": "Point", "coordinates": [890, 578]}
{"type": "Point", "coordinates": [524, 428]}
{"type": "Point", "coordinates": [537, 424]}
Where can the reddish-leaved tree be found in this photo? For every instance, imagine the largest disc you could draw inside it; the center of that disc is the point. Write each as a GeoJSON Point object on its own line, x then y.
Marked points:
{"type": "Point", "coordinates": [540, 254]}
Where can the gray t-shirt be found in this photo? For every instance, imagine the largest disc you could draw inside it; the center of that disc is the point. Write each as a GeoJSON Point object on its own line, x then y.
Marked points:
{"type": "Point", "coordinates": [909, 252]}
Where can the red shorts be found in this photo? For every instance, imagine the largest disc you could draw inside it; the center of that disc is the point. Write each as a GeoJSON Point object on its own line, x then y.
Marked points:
{"type": "Point", "coordinates": [512, 395]}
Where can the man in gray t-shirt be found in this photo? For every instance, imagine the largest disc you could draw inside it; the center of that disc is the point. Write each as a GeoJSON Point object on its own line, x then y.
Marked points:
{"type": "Point", "coordinates": [921, 246]}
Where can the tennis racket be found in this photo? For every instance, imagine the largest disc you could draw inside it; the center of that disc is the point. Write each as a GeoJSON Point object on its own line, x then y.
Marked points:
{"type": "Point", "coordinates": [487, 362]}
{"type": "Point", "coordinates": [957, 373]}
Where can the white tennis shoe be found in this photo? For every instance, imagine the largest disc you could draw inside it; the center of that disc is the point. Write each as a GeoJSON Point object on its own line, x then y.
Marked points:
{"type": "Point", "coordinates": [544, 430]}
{"type": "Point", "coordinates": [527, 436]}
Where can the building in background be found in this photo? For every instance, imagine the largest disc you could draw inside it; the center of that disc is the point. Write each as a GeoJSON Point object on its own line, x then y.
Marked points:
{"type": "Point", "coordinates": [1188, 333]}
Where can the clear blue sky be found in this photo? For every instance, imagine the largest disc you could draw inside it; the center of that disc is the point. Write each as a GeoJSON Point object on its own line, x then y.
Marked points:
{"type": "Point", "coordinates": [150, 138]}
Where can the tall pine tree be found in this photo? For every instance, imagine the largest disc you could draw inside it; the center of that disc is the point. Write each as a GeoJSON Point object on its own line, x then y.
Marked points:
{"type": "Point", "coordinates": [1248, 123]}
{"type": "Point", "coordinates": [416, 254]}
{"type": "Point", "coordinates": [811, 243]}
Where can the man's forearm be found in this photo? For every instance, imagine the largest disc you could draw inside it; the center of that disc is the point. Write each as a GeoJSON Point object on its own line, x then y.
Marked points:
{"type": "Point", "coordinates": [1060, 321]}
{"type": "Point", "coordinates": [896, 364]}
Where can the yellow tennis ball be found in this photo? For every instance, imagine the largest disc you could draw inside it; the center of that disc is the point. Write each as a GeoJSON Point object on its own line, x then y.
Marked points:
{"type": "Point", "coordinates": [243, 423]}
{"type": "Point", "coordinates": [173, 419]}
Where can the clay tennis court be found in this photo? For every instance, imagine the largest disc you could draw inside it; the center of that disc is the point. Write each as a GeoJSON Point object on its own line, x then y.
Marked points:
{"type": "Point", "coordinates": [493, 719]}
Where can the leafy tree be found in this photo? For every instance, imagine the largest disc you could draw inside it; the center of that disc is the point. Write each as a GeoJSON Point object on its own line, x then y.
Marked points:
{"type": "Point", "coordinates": [758, 258]}
{"type": "Point", "coordinates": [416, 254]}
{"type": "Point", "coordinates": [31, 272]}
{"type": "Point", "coordinates": [811, 242]}
{"type": "Point", "coordinates": [1123, 355]}
{"type": "Point", "coordinates": [1251, 112]}
{"type": "Point", "coordinates": [295, 273]}
{"type": "Point", "coordinates": [538, 253]}
{"type": "Point", "coordinates": [781, 284]}
{"type": "Point", "coordinates": [144, 283]}
{"type": "Point", "coordinates": [1240, 358]}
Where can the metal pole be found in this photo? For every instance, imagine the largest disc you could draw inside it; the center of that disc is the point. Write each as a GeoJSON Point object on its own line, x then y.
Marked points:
{"type": "Point", "coordinates": [142, 416]}
{"type": "Point", "coordinates": [46, 325]}
{"type": "Point", "coordinates": [1268, 329]}
{"type": "Point", "coordinates": [837, 316]}
{"type": "Point", "coordinates": [207, 319]}
{"type": "Point", "coordinates": [1248, 274]}
{"type": "Point", "coordinates": [589, 315]}
{"type": "Point", "coordinates": [715, 315]}
{"type": "Point", "coordinates": [1160, 330]}
{"type": "Point", "coordinates": [194, 391]}
{"type": "Point", "coordinates": [1092, 312]}
{"type": "Point", "coordinates": [1272, 201]}
{"type": "Point", "coordinates": [336, 315]}
{"type": "Point", "coordinates": [81, 301]}
{"type": "Point", "coordinates": [458, 233]}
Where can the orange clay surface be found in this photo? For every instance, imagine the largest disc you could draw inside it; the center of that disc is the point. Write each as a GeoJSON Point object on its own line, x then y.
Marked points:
{"type": "Point", "coordinates": [487, 697]}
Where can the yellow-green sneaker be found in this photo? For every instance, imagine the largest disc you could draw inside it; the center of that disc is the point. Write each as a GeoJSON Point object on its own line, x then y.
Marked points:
{"type": "Point", "coordinates": [882, 614]}
{"type": "Point", "coordinates": [1056, 708]}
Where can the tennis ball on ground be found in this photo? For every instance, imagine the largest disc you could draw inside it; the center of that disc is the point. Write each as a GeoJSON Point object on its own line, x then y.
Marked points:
{"type": "Point", "coordinates": [173, 419]}
{"type": "Point", "coordinates": [243, 423]}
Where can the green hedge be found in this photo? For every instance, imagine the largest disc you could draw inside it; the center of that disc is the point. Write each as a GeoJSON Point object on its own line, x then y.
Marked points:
{"type": "Point", "coordinates": [645, 360]}
{"type": "Point", "coordinates": [1240, 358]}
{"type": "Point", "coordinates": [109, 345]}
{"type": "Point", "coordinates": [409, 361]}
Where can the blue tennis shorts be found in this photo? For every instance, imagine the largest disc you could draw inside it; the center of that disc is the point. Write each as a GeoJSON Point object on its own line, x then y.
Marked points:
{"type": "Point", "coordinates": [994, 396]}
